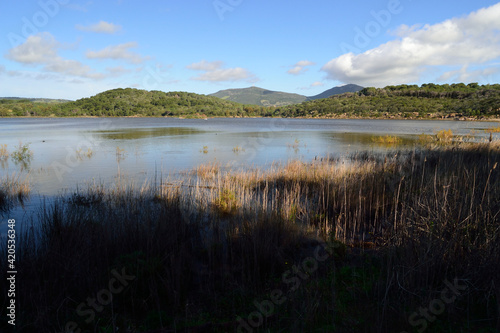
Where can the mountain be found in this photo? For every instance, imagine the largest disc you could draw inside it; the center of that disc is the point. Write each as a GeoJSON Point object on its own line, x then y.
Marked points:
{"type": "Point", "coordinates": [337, 91]}
{"type": "Point", "coordinates": [34, 100]}
{"type": "Point", "coordinates": [458, 101]}
{"type": "Point", "coordinates": [264, 97]}
{"type": "Point", "coordinates": [259, 96]}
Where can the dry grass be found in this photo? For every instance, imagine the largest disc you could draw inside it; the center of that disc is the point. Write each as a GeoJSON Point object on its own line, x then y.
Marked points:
{"type": "Point", "coordinates": [13, 189]}
{"type": "Point", "coordinates": [444, 136]}
{"type": "Point", "coordinates": [238, 149]}
{"type": "Point", "coordinates": [387, 140]}
{"type": "Point", "coordinates": [80, 154]}
{"type": "Point", "coordinates": [425, 139]}
{"type": "Point", "coordinates": [205, 248]}
{"type": "Point", "coordinates": [207, 171]}
{"type": "Point", "coordinates": [493, 130]}
{"type": "Point", "coordinates": [4, 153]}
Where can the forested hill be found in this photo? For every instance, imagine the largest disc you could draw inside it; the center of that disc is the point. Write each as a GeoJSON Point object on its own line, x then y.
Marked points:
{"type": "Point", "coordinates": [337, 91]}
{"type": "Point", "coordinates": [135, 102]}
{"type": "Point", "coordinates": [132, 102]}
{"type": "Point", "coordinates": [460, 101]}
{"type": "Point", "coordinates": [405, 101]}
{"type": "Point", "coordinates": [259, 96]}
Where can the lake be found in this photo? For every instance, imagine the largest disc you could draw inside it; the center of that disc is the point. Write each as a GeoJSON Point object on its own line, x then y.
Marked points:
{"type": "Point", "coordinates": [72, 151]}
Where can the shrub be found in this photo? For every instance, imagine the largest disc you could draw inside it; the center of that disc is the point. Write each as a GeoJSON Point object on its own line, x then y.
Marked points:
{"type": "Point", "coordinates": [22, 154]}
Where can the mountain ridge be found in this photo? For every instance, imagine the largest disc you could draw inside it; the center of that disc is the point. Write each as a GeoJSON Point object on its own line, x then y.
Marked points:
{"type": "Point", "coordinates": [428, 101]}
{"type": "Point", "coordinates": [265, 97]}
{"type": "Point", "coordinates": [337, 91]}
{"type": "Point", "coordinates": [259, 96]}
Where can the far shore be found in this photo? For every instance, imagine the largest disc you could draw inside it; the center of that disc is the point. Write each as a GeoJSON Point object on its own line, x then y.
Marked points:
{"type": "Point", "coordinates": [392, 117]}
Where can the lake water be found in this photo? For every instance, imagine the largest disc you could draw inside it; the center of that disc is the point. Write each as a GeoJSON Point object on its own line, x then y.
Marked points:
{"type": "Point", "coordinates": [140, 148]}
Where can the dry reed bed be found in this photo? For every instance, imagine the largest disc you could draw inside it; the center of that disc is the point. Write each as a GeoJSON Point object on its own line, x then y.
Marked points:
{"type": "Point", "coordinates": [204, 248]}
{"type": "Point", "coordinates": [13, 189]}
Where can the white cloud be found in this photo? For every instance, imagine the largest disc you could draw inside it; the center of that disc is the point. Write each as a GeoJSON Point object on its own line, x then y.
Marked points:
{"type": "Point", "coordinates": [101, 27]}
{"type": "Point", "coordinates": [37, 49]}
{"type": "Point", "coordinates": [466, 75]}
{"type": "Point", "coordinates": [41, 49]}
{"type": "Point", "coordinates": [118, 52]}
{"type": "Point", "coordinates": [312, 85]}
{"type": "Point", "coordinates": [214, 72]}
{"type": "Point", "coordinates": [470, 40]}
{"type": "Point", "coordinates": [300, 67]}
{"type": "Point", "coordinates": [206, 65]}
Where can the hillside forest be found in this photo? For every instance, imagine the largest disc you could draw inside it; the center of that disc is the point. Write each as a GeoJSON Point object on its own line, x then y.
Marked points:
{"type": "Point", "coordinates": [402, 101]}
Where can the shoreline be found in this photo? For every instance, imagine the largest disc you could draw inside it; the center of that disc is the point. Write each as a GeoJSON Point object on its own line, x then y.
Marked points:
{"type": "Point", "coordinates": [332, 230]}
{"type": "Point", "coordinates": [257, 117]}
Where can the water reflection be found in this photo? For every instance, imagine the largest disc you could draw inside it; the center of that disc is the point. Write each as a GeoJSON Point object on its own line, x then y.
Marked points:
{"type": "Point", "coordinates": [142, 133]}
{"type": "Point", "coordinates": [371, 140]}
{"type": "Point", "coordinates": [141, 148]}
{"type": "Point", "coordinates": [90, 148]}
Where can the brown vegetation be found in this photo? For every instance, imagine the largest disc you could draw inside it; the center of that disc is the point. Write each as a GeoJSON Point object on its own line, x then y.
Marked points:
{"type": "Point", "coordinates": [205, 250]}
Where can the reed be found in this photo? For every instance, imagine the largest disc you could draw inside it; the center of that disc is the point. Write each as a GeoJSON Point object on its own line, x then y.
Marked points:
{"type": "Point", "coordinates": [4, 153]}
{"type": "Point", "coordinates": [205, 249]}
{"type": "Point", "coordinates": [22, 155]}
{"type": "Point", "coordinates": [80, 154]}
{"type": "Point", "coordinates": [493, 130]}
{"type": "Point", "coordinates": [444, 136]}
{"type": "Point", "coordinates": [13, 189]}
{"type": "Point", "coordinates": [238, 149]}
{"type": "Point", "coordinates": [387, 140]}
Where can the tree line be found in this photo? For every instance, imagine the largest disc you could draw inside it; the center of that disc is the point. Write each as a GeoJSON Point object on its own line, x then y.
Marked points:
{"type": "Point", "coordinates": [404, 101]}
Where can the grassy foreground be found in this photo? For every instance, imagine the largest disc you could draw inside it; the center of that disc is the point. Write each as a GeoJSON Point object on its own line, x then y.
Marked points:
{"type": "Point", "coordinates": [409, 241]}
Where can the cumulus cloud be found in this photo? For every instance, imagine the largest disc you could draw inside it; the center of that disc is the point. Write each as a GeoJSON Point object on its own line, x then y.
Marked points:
{"type": "Point", "coordinates": [37, 49]}
{"type": "Point", "coordinates": [41, 49]}
{"type": "Point", "coordinates": [300, 67]}
{"type": "Point", "coordinates": [460, 42]}
{"type": "Point", "coordinates": [101, 27]}
{"type": "Point", "coordinates": [214, 72]}
{"type": "Point", "coordinates": [206, 65]}
{"type": "Point", "coordinates": [118, 52]}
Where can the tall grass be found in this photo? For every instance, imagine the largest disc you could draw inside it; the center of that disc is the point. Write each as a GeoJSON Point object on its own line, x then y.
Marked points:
{"type": "Point", "coordinates": [206, 248]}
{"type": "Point", "coordinates": [387, 140]}
{"type": "Point", "coordinates": [493, 130]}
{"type": "Point", "coordinates": [13, 189]}
{"type": "Point", "coordinates": [4, 153]}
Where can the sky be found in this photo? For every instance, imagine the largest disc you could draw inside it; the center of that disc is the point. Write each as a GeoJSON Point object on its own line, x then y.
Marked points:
{"type": "Point", "coordinates": [71, 49]}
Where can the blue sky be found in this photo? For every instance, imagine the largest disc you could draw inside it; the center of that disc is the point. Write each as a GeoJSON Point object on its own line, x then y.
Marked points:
{"type": "Point", "coordinates": [77, 48]}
